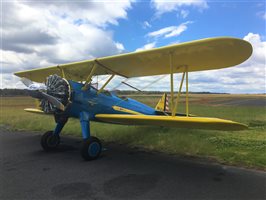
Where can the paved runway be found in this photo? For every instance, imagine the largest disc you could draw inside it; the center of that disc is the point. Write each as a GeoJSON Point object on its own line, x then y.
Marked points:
{"type": "Point", "coordinates": [121, 173]}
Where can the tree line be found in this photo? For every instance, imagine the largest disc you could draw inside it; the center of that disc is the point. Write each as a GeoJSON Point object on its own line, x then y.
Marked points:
{"type": "Point", "coordinates": [23, 92]}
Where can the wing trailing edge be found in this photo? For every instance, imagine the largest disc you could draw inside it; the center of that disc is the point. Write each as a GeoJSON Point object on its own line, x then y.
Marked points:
{"type": "Point", "coordinates": [169, 121]}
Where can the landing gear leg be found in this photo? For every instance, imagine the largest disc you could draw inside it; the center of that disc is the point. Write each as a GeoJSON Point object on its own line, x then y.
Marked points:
{"type": "Point", "coordinates": [91, 146]}
{"type": "Point", "coordinates": [51, 139]}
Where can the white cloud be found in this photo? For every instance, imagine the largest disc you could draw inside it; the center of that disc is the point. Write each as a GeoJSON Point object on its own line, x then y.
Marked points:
{"type": "Point", "coordinates": [147, 46]}
{"type": "Point", "coordinates": [184, 13]}
{"type": "Point", "coordinates": [259, 47]}
{"type": "Point", "coordinates": [98, 13]}
{"type": "Point", "coordinates": [162, 7]}
{"type": "Point", "coordinates": [38, 34]}
{"type": "Point", "coordinates": [120, 47]}
{"type": "Point", "coordinates": [146, 24]}
{"type": "Point", "coordinates": [35, 36]}
{"type": "Point", "coordinates": [261, 14]}
{"type": "Point", "coordinates": [170, 31]}
{"type": "Point", "coordinates": [248, 77]}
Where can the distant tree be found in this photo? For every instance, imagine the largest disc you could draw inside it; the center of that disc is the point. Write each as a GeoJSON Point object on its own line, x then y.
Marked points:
{"type": "Point", "coordinates": [13, 92]}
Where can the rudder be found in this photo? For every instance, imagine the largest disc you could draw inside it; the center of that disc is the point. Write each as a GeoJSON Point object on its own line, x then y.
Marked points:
{"type": "Point", "coordinates": [163, 104]}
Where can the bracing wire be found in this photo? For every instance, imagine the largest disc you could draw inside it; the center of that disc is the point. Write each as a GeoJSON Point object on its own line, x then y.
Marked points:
{"type": "Point", "coordinates": [118, 85]}
{"type": "Point", "coordinates": [141, 89]}
{"type": "Point", "coordinates": [153, 82]}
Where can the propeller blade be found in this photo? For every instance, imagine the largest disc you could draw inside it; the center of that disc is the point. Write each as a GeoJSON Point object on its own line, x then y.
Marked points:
{"type": "Point", "coordinates": [53, 101]}
{"type": "Point", "coordinates": [26, 81]}
{"type": "Point", "coordinates": [55, 85]}
{"type": "Point", "coordinates": [35, 94]}
{"type": "Point", "coordinates": [33, 86]}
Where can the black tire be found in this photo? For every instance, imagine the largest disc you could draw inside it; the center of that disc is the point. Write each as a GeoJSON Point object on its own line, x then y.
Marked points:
{"type": "Point", "coordinates": [49, 141]}
{"type": "Point", "coordinates": [91, 148]}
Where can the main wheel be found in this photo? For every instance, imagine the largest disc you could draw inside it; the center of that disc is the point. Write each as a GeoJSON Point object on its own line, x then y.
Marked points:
{"type": "Point", "coordinates": [91, 148]}
{"type": "Point", "coordinates": [50, 141]}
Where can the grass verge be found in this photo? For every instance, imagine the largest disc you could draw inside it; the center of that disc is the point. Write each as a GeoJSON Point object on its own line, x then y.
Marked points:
{"type": "Point", "coordinates": [244, 148]}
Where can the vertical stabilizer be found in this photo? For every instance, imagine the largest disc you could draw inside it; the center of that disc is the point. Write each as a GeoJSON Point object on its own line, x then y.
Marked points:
{"type": "Point", "coordinates": [163, 104]}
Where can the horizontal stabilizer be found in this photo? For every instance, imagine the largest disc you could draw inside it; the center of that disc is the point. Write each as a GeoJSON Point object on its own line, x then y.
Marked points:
{"type": "Point", "coordinates": [34, 110]}
{"type": "Point", "coordinates": [169, 121]}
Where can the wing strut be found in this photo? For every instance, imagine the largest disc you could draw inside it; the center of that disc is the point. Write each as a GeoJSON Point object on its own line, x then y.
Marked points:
{"type": "Point", "coordinates": [174, 107]}
{"type": "Point", "coordinates": [172, 83]}
{"type": "Point", "coordinates": [88, 80]}
{"type": "Point", "coordinates": [62, 71]}
{"type": "Point", "coordinates": [187, 90]}
{"type": "Point", "coordinates": [104, 85]}
{"type": "Point", "coordinates": [179, 92]}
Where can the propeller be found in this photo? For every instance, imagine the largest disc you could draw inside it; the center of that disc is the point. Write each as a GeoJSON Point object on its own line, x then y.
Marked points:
{"type": "Point", "coordinates": [33, 86]}
{"type": "Point", "coordinates": [54, 94]}
{"type": "Point", "coordinates": [53, 101]}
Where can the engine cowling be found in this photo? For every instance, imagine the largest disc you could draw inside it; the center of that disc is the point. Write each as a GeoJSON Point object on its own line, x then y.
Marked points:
{"type": "Point", "coordinates": [59, 88]}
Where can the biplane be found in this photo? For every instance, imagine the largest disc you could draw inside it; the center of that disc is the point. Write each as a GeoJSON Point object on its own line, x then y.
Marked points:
{"type": "Point", "coordinates": [68, 90]}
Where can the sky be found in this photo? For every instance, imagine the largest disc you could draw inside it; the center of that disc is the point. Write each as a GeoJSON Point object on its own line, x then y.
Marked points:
{"type": "Point", "coordinates": [43, 33]}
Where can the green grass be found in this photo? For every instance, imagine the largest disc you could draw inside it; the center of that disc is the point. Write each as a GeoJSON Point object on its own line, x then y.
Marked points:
{"type": "Point", "coordinates": [245, 148]}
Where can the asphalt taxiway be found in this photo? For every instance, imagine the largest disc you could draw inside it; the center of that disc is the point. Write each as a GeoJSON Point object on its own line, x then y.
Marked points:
{"type": "Point", "coordinates": [27, 172]}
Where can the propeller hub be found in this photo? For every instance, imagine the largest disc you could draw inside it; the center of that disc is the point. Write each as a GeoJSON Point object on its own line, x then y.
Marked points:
{"type": "Point", "coordinates": [58, 88]}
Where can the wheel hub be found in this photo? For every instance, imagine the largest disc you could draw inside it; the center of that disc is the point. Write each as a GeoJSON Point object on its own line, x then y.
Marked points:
{"type": "Point", "coordinates": [52, 141]}
{"type": "Point", "coordinates": [94, 149]}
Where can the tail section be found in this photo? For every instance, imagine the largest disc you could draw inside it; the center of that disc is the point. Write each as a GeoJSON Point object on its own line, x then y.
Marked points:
{"type": "Point", "coordinates": [163, 104]}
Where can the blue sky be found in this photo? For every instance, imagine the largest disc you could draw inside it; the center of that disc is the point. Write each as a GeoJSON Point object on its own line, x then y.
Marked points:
{"type": "Point", "coordinates": [40, 34]}
{"type": "Point", "coordinates": [235, 19]}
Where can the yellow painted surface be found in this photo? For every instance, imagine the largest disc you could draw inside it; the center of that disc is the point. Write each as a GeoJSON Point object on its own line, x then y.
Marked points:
{"type": "Point", "coordinates": [121, 109]}
{"type": "Point", "coordinates": [88, 80]}
{"type": "Point", "coordinates": [187, 112]}
{"type": "Point", "coordinates": [205, 54]}
{"type": "Point", "coordinates": [105, 84]}
{"type": "Point", "coordinates": [161, 104]}
{"type": "Point", "coordinates": [169, 121]}
{"type": "Point", "coordinates": [179, 92]}
{"type": "Point", "coordinates": [34, 110]}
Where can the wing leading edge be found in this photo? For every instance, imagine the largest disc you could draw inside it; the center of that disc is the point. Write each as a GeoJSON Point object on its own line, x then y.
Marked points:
{"type": "Point", "coordinates": [169, 121]}
{"type": "Point", "coordinates": [205, 54]}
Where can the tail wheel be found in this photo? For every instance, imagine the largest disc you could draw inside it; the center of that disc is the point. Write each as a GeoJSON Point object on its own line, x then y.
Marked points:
{"type": "Point", "coordinates": [91, 148]}
{"type": "Point", "coordinates": [50, 141]}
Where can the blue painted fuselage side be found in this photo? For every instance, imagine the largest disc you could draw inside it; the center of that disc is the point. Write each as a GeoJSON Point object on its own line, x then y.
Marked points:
{"type": "Point", "coordinates": [92, 103]}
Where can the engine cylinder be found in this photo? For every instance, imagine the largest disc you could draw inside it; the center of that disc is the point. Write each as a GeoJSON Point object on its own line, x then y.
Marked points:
{"type": "Point", "coordinates": [59, 88]}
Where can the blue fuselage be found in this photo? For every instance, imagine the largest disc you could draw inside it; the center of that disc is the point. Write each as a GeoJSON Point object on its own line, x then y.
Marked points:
{"type": "Point", "coordinates": [102, 103]}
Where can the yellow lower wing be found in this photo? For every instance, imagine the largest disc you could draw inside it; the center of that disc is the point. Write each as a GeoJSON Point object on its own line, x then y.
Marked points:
{"type": "Point", "coordinates": [169, 121]}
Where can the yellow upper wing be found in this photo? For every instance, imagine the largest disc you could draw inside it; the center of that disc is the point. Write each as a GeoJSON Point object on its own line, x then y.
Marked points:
{"type": "Point", "coordinates": [205, 54]}
{"type": "Point", "coordinates": [169, 121]}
